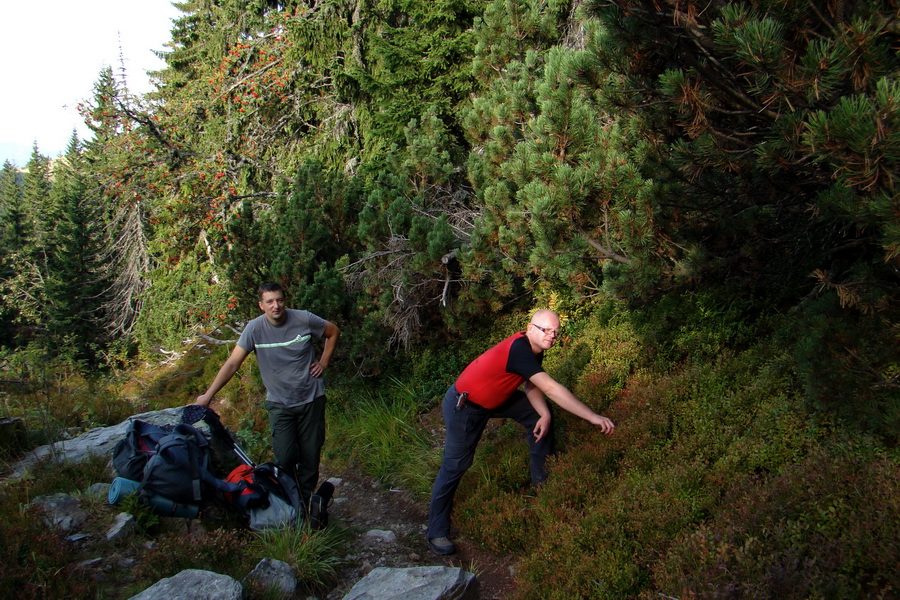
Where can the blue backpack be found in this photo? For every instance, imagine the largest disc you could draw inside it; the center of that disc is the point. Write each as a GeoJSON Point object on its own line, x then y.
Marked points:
{"type": "Point", "coordinates": [132, 452]}
{"type": "Point", "coordinates": [172, 465]}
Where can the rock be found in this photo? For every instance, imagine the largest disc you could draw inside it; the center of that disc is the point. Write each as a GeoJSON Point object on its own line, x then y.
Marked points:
{"type": "Point", "coordinates": [61, 510]}
{"type": "Point", "coordinates": [416, 583]}
{"type": "Point", "coordinates": [87, 564]}
{"type": "Point", "coordinates": [193, 584]}
{"type": "Point", "coordinates": [273, 574]}
{"type": "Point", "coordinates": [100, 490]}
{"type": "Point", "coordinates": [387, 537]}
{"type": "Point", "coordinates": [122, 528]}
{"type": "Point", "coordinates": [101, 441]}
{"type": "Point", "coordinates": [12, 433]}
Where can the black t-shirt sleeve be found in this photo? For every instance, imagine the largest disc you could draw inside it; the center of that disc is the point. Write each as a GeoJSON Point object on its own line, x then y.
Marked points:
{"type": "Point", "coordinates": [522, 361]}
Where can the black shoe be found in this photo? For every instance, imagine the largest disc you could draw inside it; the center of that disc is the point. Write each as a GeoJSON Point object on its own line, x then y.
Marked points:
{"type": "Point", "coordinates": [441, 545]}
{"type": "Point", "coordinates": [318, 506]}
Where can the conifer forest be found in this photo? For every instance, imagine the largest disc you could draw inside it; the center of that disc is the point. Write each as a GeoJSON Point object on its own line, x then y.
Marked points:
{"type": "Point", "coordinates": [704, 191]}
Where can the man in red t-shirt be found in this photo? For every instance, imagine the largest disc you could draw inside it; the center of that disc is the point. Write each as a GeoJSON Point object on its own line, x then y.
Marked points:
{"type": "Point", "coordinates": [489, 388]}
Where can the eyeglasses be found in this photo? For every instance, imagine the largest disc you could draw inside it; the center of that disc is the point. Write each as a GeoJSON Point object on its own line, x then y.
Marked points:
{"type": "Point", "coordinates": [547, 330]}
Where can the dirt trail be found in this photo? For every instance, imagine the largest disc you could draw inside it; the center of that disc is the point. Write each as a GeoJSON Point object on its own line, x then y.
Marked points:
{"type": "Point", "coordinates": [365, 508]}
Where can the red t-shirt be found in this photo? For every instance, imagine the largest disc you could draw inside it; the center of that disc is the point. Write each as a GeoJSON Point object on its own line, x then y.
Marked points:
{"type": "Point", "coordinates": [491, 378]}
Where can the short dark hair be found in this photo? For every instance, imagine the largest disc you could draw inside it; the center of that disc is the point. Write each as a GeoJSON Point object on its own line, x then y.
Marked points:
{"type": "Point", "coordinates": [269, 286]}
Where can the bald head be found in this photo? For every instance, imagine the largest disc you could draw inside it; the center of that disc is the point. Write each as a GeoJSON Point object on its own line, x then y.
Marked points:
{"type": "Point", "coordinates": [542, 330]}
{"type": "Point", "coordinates": [545, 314]}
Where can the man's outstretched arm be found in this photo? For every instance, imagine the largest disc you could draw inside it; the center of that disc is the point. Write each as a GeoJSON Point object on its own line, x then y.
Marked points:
{"type": "Point", "coordinates": [567, 401]}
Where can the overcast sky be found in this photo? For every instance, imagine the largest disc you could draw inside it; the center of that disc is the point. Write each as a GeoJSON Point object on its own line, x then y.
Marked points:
{"type": "Point", "coordinates": [53, 52]}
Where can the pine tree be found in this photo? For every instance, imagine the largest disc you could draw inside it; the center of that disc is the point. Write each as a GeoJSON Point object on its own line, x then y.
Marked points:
{"type": "Point", "coordinates": [36, 199]}
{"type": "Point", "coordinates": [73, 288]}
{"type": "Point", "coordinates": [13, 220]}
{"type": "Point", "coordinates": [415, 218]}
{"type": "Point", "coordinates": [542, 151]}
{"type": "Point", "coordinates": [769, 130]}
{"type": "Point", "coordinates": [13, 238]}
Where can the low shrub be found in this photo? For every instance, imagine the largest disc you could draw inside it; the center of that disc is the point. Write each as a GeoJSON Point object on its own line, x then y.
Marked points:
{"type": "Point", "coordinates": [499, 521]}
{"type": "Point", "coordinates": [848, 363]}
{"type": "Point", "coordinates": [226, 551]}
{"type": "Point", "coordinates": [50, 476]}
{"type": "Point", "coordinates": [35, 561]}
{"type": "Point", "coordinates": [828, 527]}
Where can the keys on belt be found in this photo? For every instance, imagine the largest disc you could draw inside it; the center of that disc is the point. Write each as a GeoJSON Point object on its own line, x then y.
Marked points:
{"type": "Point", "coordinates": [461, 400]}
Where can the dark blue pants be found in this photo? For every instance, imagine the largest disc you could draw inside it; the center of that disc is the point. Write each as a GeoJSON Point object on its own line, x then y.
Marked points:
{"type": "Point", "coordinates": [464, 429]}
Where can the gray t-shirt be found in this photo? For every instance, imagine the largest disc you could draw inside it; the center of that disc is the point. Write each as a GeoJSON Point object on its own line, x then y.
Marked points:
{"type": "Point", "coordinates": [285, 353]}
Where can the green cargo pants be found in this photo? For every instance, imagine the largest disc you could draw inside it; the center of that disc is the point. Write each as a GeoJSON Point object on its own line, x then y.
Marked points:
{"type": "Point", "coordinates": [298, 433]}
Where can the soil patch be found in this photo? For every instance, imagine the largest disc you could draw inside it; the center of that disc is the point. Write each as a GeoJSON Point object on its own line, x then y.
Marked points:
{"type": "Point", "coordinates": [371, 513]}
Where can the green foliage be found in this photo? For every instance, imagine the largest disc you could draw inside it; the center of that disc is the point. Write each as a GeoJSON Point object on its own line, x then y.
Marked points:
{"type": "Point", "coordinates": [298, 242]}
{"type": "Point", "coordinates": [673, 181]}
{"type": "Point", "coordinates": [767, 137]}
{"type": "Point", "coordinates": [415, 218]}
{"type": "Point", "coordinates": [378, 431]}
{"type": "Point", "coordinates": [145, 518]}
{"type": "Point", "coordinates": [596, 370]}
{"type": "Point", "coordinates": [51, 395]}
{"type": "Point", "coordinates": [848, 363]}
{"type": "Point", "coordinates": [74, 246]}
{"type": "Point", "coordinates": [696, 325]}
{"type": "Point", "coordinates": [181, 300]}
{"type": "Point", "coordinates": [416, 62]}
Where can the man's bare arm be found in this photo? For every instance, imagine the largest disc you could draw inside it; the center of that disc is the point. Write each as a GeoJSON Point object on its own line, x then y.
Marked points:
{"type": "Point", "coordinates": [331, 335]}
{"type": "Point", "coordinates": [226, 372]}
{"type": "Point", "coordinates": [567, 401]}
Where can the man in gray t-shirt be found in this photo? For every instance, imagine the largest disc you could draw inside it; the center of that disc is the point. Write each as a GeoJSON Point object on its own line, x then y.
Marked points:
{"type": "Point", "coordinates": [295, 391]}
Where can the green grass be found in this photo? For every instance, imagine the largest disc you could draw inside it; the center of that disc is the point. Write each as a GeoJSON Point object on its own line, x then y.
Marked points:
{"type": "Point", "coordinates": [378, 430]}
{"type": "Point", "coordinates": [314, 555]}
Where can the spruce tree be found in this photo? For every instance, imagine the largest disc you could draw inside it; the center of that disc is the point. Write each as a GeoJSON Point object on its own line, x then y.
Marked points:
{"type": "Point", "coordinates": [24, 286]}
{"type": "Point", "coordinates": [36, 201]}
{"type": "Point", "coordinates": [13, 219]}
{"type": "Point", "coordinates": [13, 238]}
{"type": "Point", "coordinates": [73, 288]}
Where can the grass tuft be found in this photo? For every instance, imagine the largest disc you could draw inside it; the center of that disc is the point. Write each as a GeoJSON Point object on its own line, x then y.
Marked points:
{"type": "Point", "coordinates": [314, 555]}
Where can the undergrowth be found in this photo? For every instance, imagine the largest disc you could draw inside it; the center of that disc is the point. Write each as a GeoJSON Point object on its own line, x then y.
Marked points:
{"type": "Point", "coordinates": [743, 465]}
{"type": "Point", "coordinates": [377, 431]}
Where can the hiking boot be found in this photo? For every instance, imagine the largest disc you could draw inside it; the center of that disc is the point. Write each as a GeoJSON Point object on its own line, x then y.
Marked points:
{"type": "Point", "coordinates": [441, 545]}
{"type": "Point", "coordinates": [318, 506]}
{"type": "Point", "coordinates": [318, 515]}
